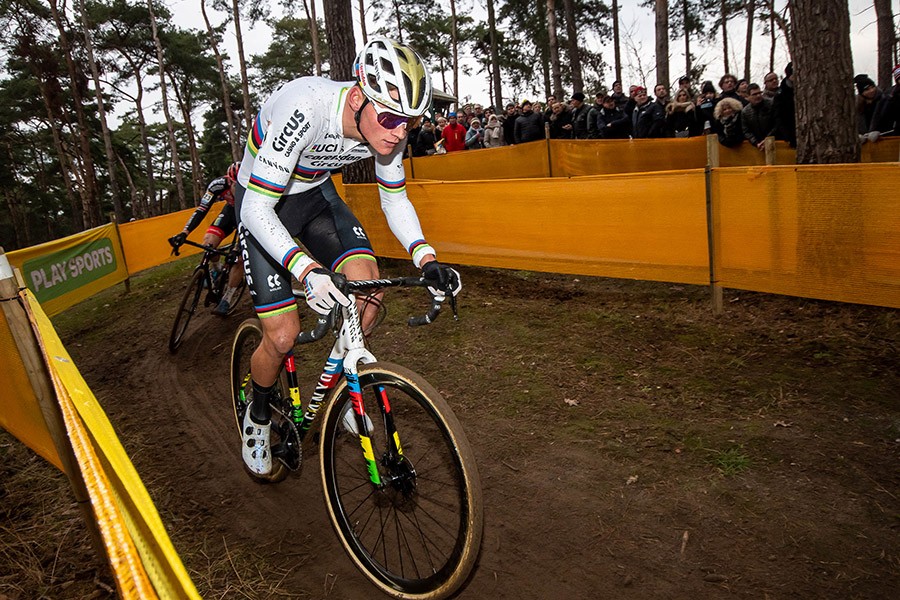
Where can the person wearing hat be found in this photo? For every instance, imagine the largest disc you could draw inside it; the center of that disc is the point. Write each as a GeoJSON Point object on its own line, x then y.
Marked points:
{"type": "Point", "coordinates": [529, 126]}
{"type": "Point", "coordinates": [871, 109]}
{"type": "Point", "coordinates": [454, 134]}
{"type": "Point", "coordinates": [579, 116]}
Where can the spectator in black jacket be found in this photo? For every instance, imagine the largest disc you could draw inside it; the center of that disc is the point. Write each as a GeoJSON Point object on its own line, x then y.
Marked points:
{"type": "Point", "coordinates": [592, 116]}
{"type": "Point", "coordinates": [424, 143]}
{"type": "Point", "coordinates": [758, 117]}
{"type": "Point", "coordinates": [560, 121]}
{"type": "Point", "coordinates": [649, 117]}
{"type": "Point", "coordinates": [785, 117]}
{"type": "Point", "coordinates": [706, 104]}
{"type": "Point", "coordinates": [579, 111]}
{"type": "Point", "coordinates": [681, 115]}
{"type": "Point", "coordinates": [509, 124]}
{"type": "Point", "coordinates": [529, 126]}
{"type": "Point", "coordinates": [611, 121]}
{"type": "Point", "coordinates": [872, 108]}
{"type": "Point", "coordinates": [728, 85]}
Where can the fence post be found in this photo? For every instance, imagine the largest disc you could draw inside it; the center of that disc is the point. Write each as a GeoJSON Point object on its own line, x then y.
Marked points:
{"type": "Point", "coordinates": [115, 221]}
{"type": "Point", "coordinates": [36, 369]}
{"type": "Point", "coordinates": [712, 154]}
{"type": "Point", "coordinates": [769, 145]}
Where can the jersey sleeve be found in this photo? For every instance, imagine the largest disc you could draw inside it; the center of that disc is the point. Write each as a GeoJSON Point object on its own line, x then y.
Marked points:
{"type": "Point", "coordinates": [276, 154]}
{"type": "Point", "coordinates": [399, 211]}
{"type": "Point", "coordinates": [213, 191]}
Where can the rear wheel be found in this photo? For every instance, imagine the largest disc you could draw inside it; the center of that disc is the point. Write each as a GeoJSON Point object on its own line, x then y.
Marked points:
{"type": "Point", "coordinates": [417, 533]}
{"type": "Point", "coordinates": [284, 442]}
{"type": "Point", "coordinates": [186, 309]}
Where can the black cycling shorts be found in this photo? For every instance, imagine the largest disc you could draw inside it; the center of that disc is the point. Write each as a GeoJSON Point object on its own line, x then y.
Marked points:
{"type": "Point", "coordinates": [225, 223]}
{"type": "Point", "coordinates": [323, 224]}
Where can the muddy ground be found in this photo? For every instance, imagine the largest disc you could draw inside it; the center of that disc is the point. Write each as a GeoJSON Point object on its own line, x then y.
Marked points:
{"type": "Point", "coordinates": [631, 444]}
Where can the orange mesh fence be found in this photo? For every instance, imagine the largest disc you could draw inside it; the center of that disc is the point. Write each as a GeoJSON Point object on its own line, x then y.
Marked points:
{"type": "Point", "coordinates": [884, 150]}
{"type": "Point", "coordinates": [813, 231]}
{"type": "Point", "coordinates": [648, 226]}
{"type": "Point", "coordinates": [506, 162]}
{"type": "Point", "coordinates": [146, 241]}
{"type": "Point", "coordinates": [570, 158]}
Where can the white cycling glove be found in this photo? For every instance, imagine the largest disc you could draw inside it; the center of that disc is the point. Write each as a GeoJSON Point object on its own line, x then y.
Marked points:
{"type": "Point", "coordinates": [322, 288]}
{"type": "Point", "coordinates": [443, 279]}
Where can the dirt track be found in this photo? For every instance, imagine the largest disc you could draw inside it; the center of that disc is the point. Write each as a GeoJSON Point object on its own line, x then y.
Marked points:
{"type": "Point", "coordinates": [604, 416]}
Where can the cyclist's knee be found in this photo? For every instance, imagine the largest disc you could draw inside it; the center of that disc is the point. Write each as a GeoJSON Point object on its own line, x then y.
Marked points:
{"type": "Point", "coordinates": [281, 332]}
{"type": "Point", "coordinates": [211, 239]}
{"type": "Point", "coordinates": [360, 268]}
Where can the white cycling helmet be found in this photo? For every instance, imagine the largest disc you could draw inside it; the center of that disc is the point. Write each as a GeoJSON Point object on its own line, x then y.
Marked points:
{"type": "Point", "coordinates": [384, 65]}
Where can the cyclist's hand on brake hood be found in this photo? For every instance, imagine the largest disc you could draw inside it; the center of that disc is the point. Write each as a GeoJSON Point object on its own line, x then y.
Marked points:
{"type": "Point", "coordinates": [178, 240]}
{"type": "Point", "coordinates": [323, 290]}
{"type": "Point", "coordinates": [443, 279]}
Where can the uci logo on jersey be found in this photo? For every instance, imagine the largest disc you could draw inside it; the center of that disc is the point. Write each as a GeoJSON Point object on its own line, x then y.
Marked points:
{"type": "Point", "coordinates": [323, 148]}
{"type": "Point", "coordinates": [289, 129]}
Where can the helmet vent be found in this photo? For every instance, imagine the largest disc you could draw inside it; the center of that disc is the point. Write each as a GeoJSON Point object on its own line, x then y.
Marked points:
{"type": "Point", "coordinates": [373, 83]}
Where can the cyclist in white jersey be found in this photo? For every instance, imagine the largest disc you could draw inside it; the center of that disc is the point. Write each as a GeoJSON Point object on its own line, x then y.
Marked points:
{"type": "Point", "coordinates": [306, 129]}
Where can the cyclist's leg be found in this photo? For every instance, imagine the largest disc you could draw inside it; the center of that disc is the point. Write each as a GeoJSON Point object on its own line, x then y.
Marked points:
{"type": "Point", "coordinates": [222, 227]}
{"type": "Point", "coordinates": [214, 236]}
{"type": "Point", "coordinates": [337, 239]}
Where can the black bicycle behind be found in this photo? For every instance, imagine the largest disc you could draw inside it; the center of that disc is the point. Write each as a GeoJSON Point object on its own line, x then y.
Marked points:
{"type": "Point", "coordinates": [203, 281]}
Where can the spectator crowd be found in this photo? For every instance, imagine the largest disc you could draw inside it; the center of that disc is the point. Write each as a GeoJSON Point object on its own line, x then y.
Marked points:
{"type": "Point", "coordinates": [738, 111]}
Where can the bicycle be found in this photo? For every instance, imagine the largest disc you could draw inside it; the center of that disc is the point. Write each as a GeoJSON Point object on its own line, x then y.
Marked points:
{"type": "Point", "coordinates": [202, 280]}
{"type": "Point", "coordinates": [401, 485]}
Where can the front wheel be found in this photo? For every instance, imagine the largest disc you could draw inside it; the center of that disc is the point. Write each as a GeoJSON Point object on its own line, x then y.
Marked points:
{"type": "Point", "coordinates": [415, 533]}
{"type": "Point", "coordinates": [186, 309]}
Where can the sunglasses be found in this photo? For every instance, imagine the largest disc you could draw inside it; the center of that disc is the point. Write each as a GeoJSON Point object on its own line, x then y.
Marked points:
{"type": "Point", "coordinates": [390, 120]}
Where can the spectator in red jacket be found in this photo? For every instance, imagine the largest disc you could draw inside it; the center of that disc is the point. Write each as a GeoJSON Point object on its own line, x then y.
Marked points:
{"type": "Point", "coordinates": [454, 134]}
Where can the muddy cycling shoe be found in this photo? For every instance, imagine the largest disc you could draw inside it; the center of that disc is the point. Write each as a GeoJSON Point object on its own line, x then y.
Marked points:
{"type": "Point", "coordinates": [255, 450]}
{"type": "Point", "coordinates": [222, 308]}
{"type": "Point", "coordinates": [348, 421]}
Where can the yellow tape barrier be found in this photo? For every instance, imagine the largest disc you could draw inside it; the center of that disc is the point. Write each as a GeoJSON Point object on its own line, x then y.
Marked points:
{"type": "Point", "coordinates": [144, 561]}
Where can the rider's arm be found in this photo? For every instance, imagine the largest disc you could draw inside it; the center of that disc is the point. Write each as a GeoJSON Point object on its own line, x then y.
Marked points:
{"type": "Point", "coordinates": [213, 191]}
{"type": "Point", "coordinates": [399, 211]}
{"type": "Point", "coordinates": [288, 133]}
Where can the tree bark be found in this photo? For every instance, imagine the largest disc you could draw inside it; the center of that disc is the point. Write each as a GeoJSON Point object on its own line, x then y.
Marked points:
{"type": "Point", "coordinates": [245, 86]}
{"type": "Point", "coordinates": [314, 33]}
{"type": "Point", "coordinates": [574, 57]}
{"type": "Point", "coordinates": [455, 44]}
{"type": "Point", "coordinates": [197, 187]}
{"type": "Point", "coordinates": [90, 211]}
{"type": "Point", "coordinates": [685, 7]}
{"type": "Point", "coordinates": [886, 40]}
{"type": "Point", "coordinates": [774, 36]}
{"type": "Point", "coordinates": [173, 144]}
{"type": "Point", "coordinates": [101, 109]}
{"type": "Point", "coordinates": [751, 13]}
{"type": "Point", "coordinates": [826, 112]}
{"type": "Point", "coordinates": [553, 47]}
{"type": "Point", "coordinates": [495, 58]}
{"type": "Point", "coordinates": [724, 11]}
{"type": "Point", "coordinates": [339, 31]}
{"type": "Point", "coordinates": [662, 42]}
{"type": "Point", "coordinates": [617, 52]}
{"type": "Point", "coordinates": [226, 92]}
{"type": "Point", "coordinates": [362, 21]}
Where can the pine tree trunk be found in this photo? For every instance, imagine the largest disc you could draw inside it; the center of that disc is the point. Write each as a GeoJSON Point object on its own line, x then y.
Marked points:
{"type": "Point", "coordinates": [339, 31]}
{"type": "Point", "coordinates": [553, 47]}
{"type": "Point", "coordinates": [170, 127]}
{"type": "Point", "coordinates": [233, 136]}
{"type": "Point", "coordinates": [197, 187]}
{"type": "Point", "coordinates": [455, 43]}
{"type": "Point", "coordinates": [826, 112]}
{"type": "Point", "coordinates": [90, 212]}
{"type": "Point", "coordinates": [662, 42]}
{"type": "Point", "coordinates": [617, 52]}
{"type": "Point", "coordinates": [574, 57]}
{"type": "Point", "coordinates": [774, 36]}
{"type": "Point", "coordinates": [362, 21]}
{"type": "Point", "coordinates": [495, 58]}
{"type": "Point", "coordinates": [687, 38]}
{"type": "Point", "coordinates": [724, 12]}
{"type": "Point", "coordinates": [314, 33]}
{"type": "Point", "coordinates": [245, 86]}
{"type": "Point", "coordinates": [751, 12]}
{"type": "Point", "coordinates": [150, 172]}
{"type": "Point", "coordinates": [886, 40]}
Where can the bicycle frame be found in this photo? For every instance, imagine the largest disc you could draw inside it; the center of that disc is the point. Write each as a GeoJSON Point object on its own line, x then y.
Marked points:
{"type": "Point", "coordinates": [347, 354]}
